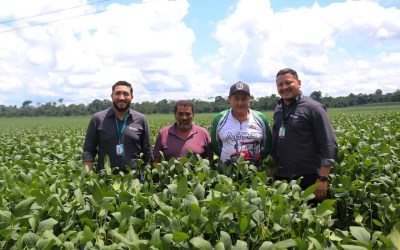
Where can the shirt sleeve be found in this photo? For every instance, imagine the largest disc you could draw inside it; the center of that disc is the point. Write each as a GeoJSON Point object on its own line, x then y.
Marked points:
{"type": "Point", "coordinates": [157, 146]}
{"type": "Point", "coordinates": [209, 147]}
{"type": "Point", "coordinates": [146, 144]}
{"type": "Point", "coordinates": [267, 137]}
{"type": "Point", "coordinates": [216, 143]}
{"type": "Point", "coordinates": [325, 136]}
{"type": "Point", "coordinates": [91, 142]}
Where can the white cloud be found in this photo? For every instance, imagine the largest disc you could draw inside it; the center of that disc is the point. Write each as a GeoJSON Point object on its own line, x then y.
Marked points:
{"type": "Point", "coordinates": [334, 48]}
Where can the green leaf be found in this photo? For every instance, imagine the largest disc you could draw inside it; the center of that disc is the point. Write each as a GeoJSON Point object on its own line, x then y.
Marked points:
{"type": "Point", "coordinates": [325, 208]}
{"type": "Point", "coordinates": [125, 196]}
{"type": "Point", "coordinates": [131, 235]}
{"type": "Point", "coordinates": [200, 243]}
{"type": "Point", "coordinates": [282, 187]}
{"type": "Point", "coordinates": [241, 245]}
{"type": "Point", "coordinates": [219, 246]}
{"type": "Point", "coordinates": [199, 192]}
{"type": "Point", "coordinates": [49, 235]}
{"type": "Point", "coordinates": [263, 194]}
{"type": "Point", "coordinates": [45, 244]}
{"type": "Point", "coordinates": [285, 244]}
{"type": "Point", "coordinates": [394, 235]}
{"type": "Point", "coordinates": [167, 241]}
{"type": "Point", "coordinates": [119, 238]}
{"type": "Point", "coordinates": [226, 239]}
{"type": "Point", "coordinates": [360, 234]}
{"type": "Point", "coordinates": [68, 245]}
{"type": "Point", "coordinates": [79, 197]}
{"type": "Point", "coordinates": [30, 239]}
{"type": "Point", "coordinates": [179, 236]}
{"type": "Point", "coordinates": [40, 197]}
{"type": "Point", "coordinates": [32, 223]}
{"type": "Point", "coordinates": [97, 192]}
{"type": "Point", "coordinates": [23, 207]}
{"type": "Point", "coordinates": [195, 211]}
{"type": "Point", "coordinates": [266, 245]}
{"type": "Point", "coordinates": [243, 224]}
{"type": "Point", "coordinates": [353, 247]}
{"type": "Point", "coordinates": [309, 192]}
{"type": "Point", "coordinates": [46, 225]}
{"type": "Point", "coordinates": [315, 243]}
{"type": "Point", "coordinates": [155, 236]}
{"type": "Point", "coordinates": [5, 217]}
{"type": "Point", "coordinates": [182, 186]}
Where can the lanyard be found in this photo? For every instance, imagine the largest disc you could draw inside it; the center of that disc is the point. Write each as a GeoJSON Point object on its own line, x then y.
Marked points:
{"type": "Point", "coordinates": [120, 132]}
{"type": "Point", "coordinates": [289, 110]}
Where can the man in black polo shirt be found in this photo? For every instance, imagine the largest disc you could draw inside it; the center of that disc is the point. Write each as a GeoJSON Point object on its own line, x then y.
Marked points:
{"type": "Point", "coordinates": [303, 142]}
{"type": "Point", "coordinates": [119, 132]}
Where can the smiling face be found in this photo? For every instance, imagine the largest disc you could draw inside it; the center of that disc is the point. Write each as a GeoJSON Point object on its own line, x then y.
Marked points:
{"type": "Point", "coordinates": [288, 87]}
{"type": "Point", "coordinates": [121, 98]}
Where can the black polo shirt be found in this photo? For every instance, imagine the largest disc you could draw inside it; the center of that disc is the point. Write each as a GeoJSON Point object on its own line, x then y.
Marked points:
{"type": "Point", "coordinates": [102, 138]}
{"type": "Point", "coordinates": [309, 140]}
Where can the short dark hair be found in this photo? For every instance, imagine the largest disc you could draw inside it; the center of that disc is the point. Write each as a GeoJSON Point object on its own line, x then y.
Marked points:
{"type": "Point", "coordinates": [123, 83]}
{"type": "Point", "coordinates": [185, 103]}
{"type": "Point", "coordinates": [287, 71]}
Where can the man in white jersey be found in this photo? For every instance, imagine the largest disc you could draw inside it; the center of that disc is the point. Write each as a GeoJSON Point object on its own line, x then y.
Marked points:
{"type": "Point", "coordinates": [240, 130]}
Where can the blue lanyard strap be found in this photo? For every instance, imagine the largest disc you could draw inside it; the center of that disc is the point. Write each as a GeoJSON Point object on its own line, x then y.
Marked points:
{"type": "Point", "coordinates": [120, 132]}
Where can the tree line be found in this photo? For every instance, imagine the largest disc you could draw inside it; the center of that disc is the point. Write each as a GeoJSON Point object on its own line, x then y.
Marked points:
{"type": "Point", "coordinates": [166, 106]}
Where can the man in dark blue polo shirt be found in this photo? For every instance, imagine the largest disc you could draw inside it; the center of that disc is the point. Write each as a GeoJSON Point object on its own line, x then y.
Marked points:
{"type": "Point", "coordinates": [119, 132]}
{"type": "Point", "coordinates": [303, 141]}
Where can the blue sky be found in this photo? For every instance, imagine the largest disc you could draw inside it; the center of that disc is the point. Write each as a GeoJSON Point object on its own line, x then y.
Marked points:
{"type": "Point", "coordinates": [187, 49]}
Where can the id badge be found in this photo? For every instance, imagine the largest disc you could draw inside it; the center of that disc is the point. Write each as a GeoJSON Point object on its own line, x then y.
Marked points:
{"type": "Point", "coordinates": [282, 131]}
{"type": "Point", "coordinates": [120, 149]}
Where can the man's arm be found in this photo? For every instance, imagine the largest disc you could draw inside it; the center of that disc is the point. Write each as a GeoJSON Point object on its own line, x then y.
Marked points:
{"type": "Point", "coordinates": [90, 145]}
{"type": "Point", "coordinates": [214, 132]}
{"type": "Point", "coordinates": [266, 142]}
{"type": "Point", "coordinates": [146, 144]}
{"type": "Point", "coordinates": [157, 148]}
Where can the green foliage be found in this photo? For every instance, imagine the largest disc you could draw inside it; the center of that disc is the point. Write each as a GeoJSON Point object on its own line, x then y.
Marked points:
{"type": "Point", "coordinates": [49, 201]}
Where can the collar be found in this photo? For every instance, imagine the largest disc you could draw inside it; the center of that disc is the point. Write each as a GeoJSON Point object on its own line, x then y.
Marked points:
{"type": "Point", "coordinates": [110, 112]}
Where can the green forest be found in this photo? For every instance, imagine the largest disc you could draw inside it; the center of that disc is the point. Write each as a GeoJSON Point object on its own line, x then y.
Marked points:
{"type": "Point", "coordinates": [58, 108]}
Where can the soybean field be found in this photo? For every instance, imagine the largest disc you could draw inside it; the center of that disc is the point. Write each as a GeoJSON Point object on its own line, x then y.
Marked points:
{"type": "Point", "coordinates": [49, 201]}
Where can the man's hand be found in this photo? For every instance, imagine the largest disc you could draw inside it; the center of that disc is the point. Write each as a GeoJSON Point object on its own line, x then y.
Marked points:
{"type": "Point", "coordinates": [322, 190]}
{"type": "Point", "coordinates": [89, 166]}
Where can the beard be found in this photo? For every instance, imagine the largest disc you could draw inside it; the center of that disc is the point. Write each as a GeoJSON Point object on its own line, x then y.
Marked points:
{"type": "Point", "coordinates": [184, 126]}
{"type": "Point", "coordinates": [122, 109]}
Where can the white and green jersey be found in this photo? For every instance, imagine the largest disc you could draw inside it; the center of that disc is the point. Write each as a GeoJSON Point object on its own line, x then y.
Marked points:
{"type": "Point", "coordinates": [230, 138]}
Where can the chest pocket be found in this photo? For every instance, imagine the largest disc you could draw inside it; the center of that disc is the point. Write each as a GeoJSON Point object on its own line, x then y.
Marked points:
{"type": "Point", "coordinates": [133, 133]}
{"type": "Point", "coordinates": [298, 122]}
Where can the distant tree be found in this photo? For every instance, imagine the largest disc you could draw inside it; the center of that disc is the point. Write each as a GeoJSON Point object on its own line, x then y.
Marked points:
{"type": "Point", "coordinates": [316, 95]}
{"type": "Point", "coordinates": [163, 107]}
{"type": "Point", "coordinates": [26, 103]}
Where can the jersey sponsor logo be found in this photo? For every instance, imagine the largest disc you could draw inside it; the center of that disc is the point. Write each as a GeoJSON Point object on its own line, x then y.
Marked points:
{"type": "Point", "coordinates": [241, 136]}
{"type": "Point", "coordinates": [252, 127]}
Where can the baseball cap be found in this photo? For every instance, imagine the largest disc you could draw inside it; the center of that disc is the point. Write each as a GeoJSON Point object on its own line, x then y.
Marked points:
{"type": "Point", "coordinates": [239, 86]}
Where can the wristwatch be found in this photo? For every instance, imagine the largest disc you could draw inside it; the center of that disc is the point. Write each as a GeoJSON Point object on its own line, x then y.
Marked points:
{"type": "Point", "coordinates": [322, 178]}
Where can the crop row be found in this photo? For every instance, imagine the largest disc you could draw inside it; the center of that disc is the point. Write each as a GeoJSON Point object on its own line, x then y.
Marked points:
{"type": "Point", "coordinates": [49, 201]}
